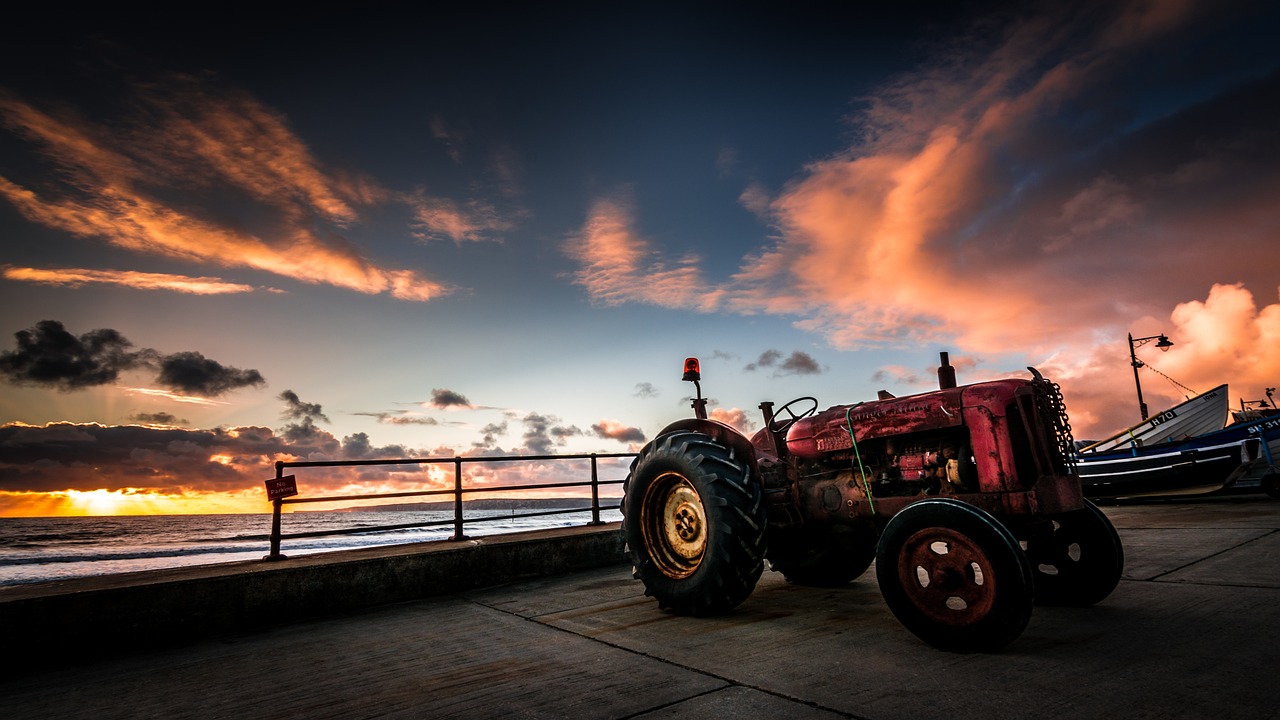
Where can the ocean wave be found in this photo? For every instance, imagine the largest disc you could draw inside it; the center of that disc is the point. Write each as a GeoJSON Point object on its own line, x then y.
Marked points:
{"type": "Point", "coordinates": [43, 549]}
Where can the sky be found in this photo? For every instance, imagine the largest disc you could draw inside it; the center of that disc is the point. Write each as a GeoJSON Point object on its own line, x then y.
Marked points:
{"type": "Point", "coordinates": [425, 233]}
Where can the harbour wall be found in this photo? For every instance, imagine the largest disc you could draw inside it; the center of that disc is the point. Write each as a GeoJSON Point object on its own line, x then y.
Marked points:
{"type": "Point", "coordinates": [57, 623]}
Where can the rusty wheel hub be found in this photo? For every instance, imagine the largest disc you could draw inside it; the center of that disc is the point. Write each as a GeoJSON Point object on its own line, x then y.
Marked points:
{"type": "Point", "coordinates": [947, 576]}
{"type": "Point", "coordinates": [674, 521]}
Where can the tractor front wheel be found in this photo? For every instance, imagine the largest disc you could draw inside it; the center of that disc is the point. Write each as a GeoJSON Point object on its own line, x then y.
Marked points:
{"type": "Point", "coordinates": [694, 523]}
{"type": "Point", "coordinates": [1078, 562]}
{"type": "Point", "coordinates": [955, 576]}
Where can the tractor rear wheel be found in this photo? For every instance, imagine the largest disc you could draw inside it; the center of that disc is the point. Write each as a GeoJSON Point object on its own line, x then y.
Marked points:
{"type": "Point", "coordinates": [694, 524]}
{"type": "Point", "coordinates": [954, 576]}
{"type": "Point", "coordinates": [1079, 562]}
{"type": "Point", "coordinates": [828, 557]}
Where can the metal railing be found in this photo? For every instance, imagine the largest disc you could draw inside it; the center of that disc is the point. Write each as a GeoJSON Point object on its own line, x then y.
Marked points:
{"type": "Point", "coordinates": [457, 491]}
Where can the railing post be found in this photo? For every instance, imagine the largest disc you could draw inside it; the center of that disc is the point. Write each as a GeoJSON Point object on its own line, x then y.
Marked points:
{"type": "Point", "coordinates": [457, 500]}
{"type": "Point", "coordinates": [275, 519]}
{"type": "Point", "coordinates": [595, 493]}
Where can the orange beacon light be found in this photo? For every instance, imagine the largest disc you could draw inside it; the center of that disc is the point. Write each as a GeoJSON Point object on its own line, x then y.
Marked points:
{"type": "Point", "coordinates": [692, 373]}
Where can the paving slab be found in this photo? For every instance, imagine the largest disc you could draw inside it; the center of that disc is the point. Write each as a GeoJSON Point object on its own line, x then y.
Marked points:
{"type": "Point", "coordinates": [1189, 633]}
{"type": "Point", "coordinates": [443, 659]}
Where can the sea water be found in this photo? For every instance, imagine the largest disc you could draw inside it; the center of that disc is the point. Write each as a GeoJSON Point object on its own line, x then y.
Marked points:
{"type": "Point", "coordinates": [44, 549]}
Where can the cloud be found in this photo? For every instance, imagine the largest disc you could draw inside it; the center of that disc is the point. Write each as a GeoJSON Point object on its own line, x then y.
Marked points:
{"type": "Point", "coordinates": [768, 358]}
{"type": "Point", "coordinates": [1224, 336]}
{"type": "Point", "coordinates": [435, 218]}
{"type": "Point", "coordinates": [69, 456]}
{"type": "Point", "coordinates": [49, 356]}
{"type": "Point", "coordinates": [645, 390]}
{"type": "Point", "coordinates": [614, 430]}
{"type": "Point", "coordinates": [734, 417]}
{"type": "Point", "coordinates": [1052, 178]}
{"type": "Point", "coordinates": [76, 277]}
{"type": "Point", "coordinates": [797, 363]}
{"type": "Point", "coordinates": [62, 456]}
{"type": "Point", "coordinates": [401, 418]}
{"type": "Point", "coordinates": [191, 372]}
{"type": "Point", "coordinates": [356, 446]}
{"type": "Point", "coordinates": [185, 133]}
{"type": "Point", "coordinates": [450, 138]}
{"type": "Point", "coordinates": [617, 266]}
{"type": "Point", "coordinates": [896, 375]}
{"type": "Point", "coordinates": [444, 399]}
{"type": "Point", "coordinates": [985, 208]}
{"type": "Point", "coordinates": [902, 375]}
{"type": "Point", "coordinates": [1000, 197]}
{"type": "Point", "coordinates": [158, 418]}
{"type": "Point", "coordinates": [175, 397]}
{"type": "Point", "coordinates": [296, 409]}
{"type": "Point", "coordinates": [490, 434]}
{"type": "Point", "coordinates": [542, 433]}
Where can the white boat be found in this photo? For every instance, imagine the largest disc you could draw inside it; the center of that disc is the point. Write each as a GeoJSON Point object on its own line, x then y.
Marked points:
{"type": "Point", "coordinates": [1202, 414]}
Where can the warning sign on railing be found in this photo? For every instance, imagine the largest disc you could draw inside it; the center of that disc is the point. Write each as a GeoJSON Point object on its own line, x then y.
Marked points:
{"type": "Point", "coordinates": [281, 487]}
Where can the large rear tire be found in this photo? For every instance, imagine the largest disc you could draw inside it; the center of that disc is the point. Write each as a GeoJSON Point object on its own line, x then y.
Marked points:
{"type": "Point", "coordinates": [694, 523]}
{"type": "Point", "coordinates": [955, 576]}
{"type": "Point", "coordinates": [1078, 562]}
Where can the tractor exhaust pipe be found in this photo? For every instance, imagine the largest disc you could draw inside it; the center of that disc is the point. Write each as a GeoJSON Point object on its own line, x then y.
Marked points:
{"type": "Point", "coordinates": [946, 373]}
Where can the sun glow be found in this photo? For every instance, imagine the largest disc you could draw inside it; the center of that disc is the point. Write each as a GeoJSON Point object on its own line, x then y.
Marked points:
{"type": "Point", "coordinates": [129, 501]}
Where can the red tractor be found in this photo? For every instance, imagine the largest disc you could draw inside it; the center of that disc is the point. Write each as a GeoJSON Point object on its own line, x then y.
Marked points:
{"type": "Point", "coordinates": [966, 498]}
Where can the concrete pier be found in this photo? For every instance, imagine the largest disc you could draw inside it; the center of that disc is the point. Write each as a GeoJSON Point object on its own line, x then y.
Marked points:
{"type": "Point", "coordinates": [47, 624]}
{"type": "Point", "coordinates": [1191, 632]}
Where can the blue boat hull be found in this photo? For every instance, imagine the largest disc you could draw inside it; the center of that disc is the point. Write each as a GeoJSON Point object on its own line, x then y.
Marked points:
{"type": "Point", "coordinates": [1244, 454]}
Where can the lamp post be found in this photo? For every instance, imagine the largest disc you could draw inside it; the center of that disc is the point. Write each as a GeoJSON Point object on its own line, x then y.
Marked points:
{"type": "Point", "coordinates": [1163, 343]}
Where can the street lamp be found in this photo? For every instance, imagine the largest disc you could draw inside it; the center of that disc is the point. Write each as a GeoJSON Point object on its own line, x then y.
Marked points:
{"type": "Point", "coordinates": [1163, 343]}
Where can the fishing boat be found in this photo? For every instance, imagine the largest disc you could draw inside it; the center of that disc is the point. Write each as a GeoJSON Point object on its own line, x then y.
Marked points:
{"type": "Point", "coordinates": [1177, 468]}
{"type": "Point", "coordinates": [1201, 414]}
{"type": "Point", "coordinates": [1265, 474]}
{"type": "Point", "coordinates": [1241, 456]}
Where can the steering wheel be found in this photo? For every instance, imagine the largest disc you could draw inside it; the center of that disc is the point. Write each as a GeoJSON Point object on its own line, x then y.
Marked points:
{"type": "Point", "coordinates": [793, 414]}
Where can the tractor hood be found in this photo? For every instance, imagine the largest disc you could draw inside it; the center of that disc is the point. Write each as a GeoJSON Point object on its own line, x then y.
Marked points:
{"type": "Point", "coordinates": [830, 430]}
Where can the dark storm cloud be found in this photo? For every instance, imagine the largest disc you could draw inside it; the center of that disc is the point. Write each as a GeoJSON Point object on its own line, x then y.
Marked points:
{"type": "Point", "coordinates": [542, 433]}
{"type": "Point", "coordinates": [48, 355]}
{"type": "Point", "coordinates": [768, 358]}
{"type": "Point", "coordinates": [295, 409]}
{"type": "Point", "coordinates": [69, 456]}
{"type": "Point", "coordinates": [357, 447]}
{"type": "Point", "coordinates": [490, 434]}
{"type": "Point", "coordinates": [797, 363]}
{"type": "Point", "coordinates": [305, 432]}
{"type": "Point", "coordinates": [195, 374]}
{"type": "Point", "coordinates": [443, 398]}
{"type": "Point", "coordinates": [64, 456]}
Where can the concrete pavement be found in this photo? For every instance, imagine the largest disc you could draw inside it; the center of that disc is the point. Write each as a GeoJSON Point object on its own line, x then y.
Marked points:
{"type": "Point", "coordinates": [1191, 632]}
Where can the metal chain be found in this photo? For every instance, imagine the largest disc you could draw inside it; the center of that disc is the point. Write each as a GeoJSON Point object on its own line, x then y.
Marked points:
{"type": "Point", "coordinates": [1057, 409]}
